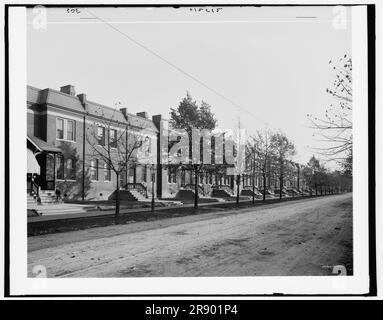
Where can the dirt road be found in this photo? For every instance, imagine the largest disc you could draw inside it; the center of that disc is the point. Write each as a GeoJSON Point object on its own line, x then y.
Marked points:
{"type": "Point", "coordinates": [286, 239]}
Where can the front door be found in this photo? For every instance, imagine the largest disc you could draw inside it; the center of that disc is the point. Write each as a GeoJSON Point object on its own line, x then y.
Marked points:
{"type": "Point", "coordinates": [48, 168]}
{"type": "Point", "coordinates": [132, 175]}
{"type": "Point", "coordinates": [123, 179]}
{"type": "Point", "coordinates": [50, 177]}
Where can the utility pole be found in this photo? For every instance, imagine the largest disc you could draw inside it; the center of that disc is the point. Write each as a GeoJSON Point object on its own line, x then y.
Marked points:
{"type": "Point", "coordinates": [196, 172]}
{"type": "Point", "coordinates": [153, 177]}
{"type": "Point", "coordinates": [238, 162]}
{"type": "Point", "coordinates": [253, 179]}
{"type": "Point", "coordinates": [298, 176]}
{"type": "Point", "coordinates": [83, 161]}
{"type": "Point", "coordinates": [126, 154]}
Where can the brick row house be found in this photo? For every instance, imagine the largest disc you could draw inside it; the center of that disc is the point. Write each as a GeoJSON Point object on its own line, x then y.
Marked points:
{"type": "Point", "coordinates": [61, 155]}
{"type": "Point", "coordinates": [59, 124]}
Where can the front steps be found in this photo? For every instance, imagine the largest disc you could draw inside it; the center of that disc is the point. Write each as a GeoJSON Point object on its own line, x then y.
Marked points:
{"type": "Point", "coordinates": [31, 200]}
{"type": "Point", "coordinates": [49, 205]}
{"type": "Point", "coordinates": [130, 195]}
{"type": "Point", "coordinates": [123, 195]}
{"type": "Point", "coordinates": [60, 208]}
{"type": "Point", "coordinates": [137, 195]}
{"type": "Point", "coordinates": [46, 197]}
{"type": "Point", "coordinates": [249, 193]}
{"type": "Point", "coordinates": [185, 194]}
{"type": "Point", "coordinates": [45, 203]}
{"type": "Point", "coordinates": [220, 193]}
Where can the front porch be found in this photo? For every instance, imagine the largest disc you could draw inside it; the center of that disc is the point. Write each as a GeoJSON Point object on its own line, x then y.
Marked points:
{"type": "Point", "coordinates": [41, 171]}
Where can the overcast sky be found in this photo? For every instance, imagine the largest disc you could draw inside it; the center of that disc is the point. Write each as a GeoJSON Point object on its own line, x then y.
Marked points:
{"type": "Point", "coordinates": [272, 61]}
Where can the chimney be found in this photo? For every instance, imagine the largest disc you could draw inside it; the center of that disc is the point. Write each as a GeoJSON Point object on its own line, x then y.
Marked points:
{"type": "Point", "coordinates": [68, 89]}
{"type": "Point", "coordinates": [82, 98]}
{"type": "Point", "coordinates": [124, 112]}
{"type": "Point", "coordinates": [142, 114]}
{"type": "Point", "coordinates": [157, 120]}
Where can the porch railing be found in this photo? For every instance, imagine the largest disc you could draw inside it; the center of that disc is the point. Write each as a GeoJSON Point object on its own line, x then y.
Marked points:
{"type": "Point", "coordinates": [191, 187]}
{"type": "Point", "coordinates": [225, 187]}
{"type": "Point", "coordinates": [137, 187]}
{"type": "Point", "coordinates": [33, 189]}
{"type": "Point", "coordinates": [248, 187]}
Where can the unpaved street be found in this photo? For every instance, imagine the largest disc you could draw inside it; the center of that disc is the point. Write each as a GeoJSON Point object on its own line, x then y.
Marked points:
{"type": "Point", "coordinates": [291, 238]}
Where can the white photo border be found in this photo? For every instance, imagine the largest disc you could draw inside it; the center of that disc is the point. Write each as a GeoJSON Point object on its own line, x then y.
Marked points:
{"type": "Point", "coordinates": [20, 284]}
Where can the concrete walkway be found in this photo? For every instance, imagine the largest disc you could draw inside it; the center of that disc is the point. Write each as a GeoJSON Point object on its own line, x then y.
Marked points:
{"type": "Point", "coordinates": [99, 213]}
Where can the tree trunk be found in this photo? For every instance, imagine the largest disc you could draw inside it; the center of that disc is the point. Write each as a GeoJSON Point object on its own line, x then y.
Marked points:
{"type": "Point", "coordinates": [298, 179]}
{"type": "Point", "coordinates": [253, 201]}
{"type": "Point", "coordinates": [280, 187]}
{"type": "Point", "coordinates": [264, 187]}
{"type": "Point", "coordinates": [195, 186]}
{"type": "Point", "coordinates": [238, 183]}
{"type": "Point", "coordinates": [117, 212]}
{"type": "Point", "coordinates": [152, 177]}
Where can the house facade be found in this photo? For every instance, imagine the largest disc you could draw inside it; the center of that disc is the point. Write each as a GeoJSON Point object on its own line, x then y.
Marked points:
{"type": "Point", "coordinates": [68, 135]}
{"type": "Point", "coordinates": [59, 124]}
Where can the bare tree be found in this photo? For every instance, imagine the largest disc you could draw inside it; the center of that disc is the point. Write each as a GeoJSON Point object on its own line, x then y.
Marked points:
{"type": "Point", "coordinates": [283, 149]}
{"type": "Point", "coordinates": [111, 141]}
{"type": "Point", "coordinates": [262, 151]}
{"type": "Point", "coordinates": [336, 125]}
{"type": "Point", "coordinates": [252, 162]}
{"type": "Point", "coordinates": [72, 170]}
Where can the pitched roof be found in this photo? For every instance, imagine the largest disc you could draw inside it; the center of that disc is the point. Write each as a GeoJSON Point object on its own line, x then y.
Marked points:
{"type": "Point", "coordinates": [41, 145]}
{"type": "Point", "coordinates": [67, 101]}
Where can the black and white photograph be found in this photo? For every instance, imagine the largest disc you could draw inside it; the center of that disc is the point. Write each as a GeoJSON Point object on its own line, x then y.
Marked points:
{"type": "Point", "coordinates": [190, 149]}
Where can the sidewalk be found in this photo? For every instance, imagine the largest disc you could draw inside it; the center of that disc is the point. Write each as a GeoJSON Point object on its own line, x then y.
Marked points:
{"type": "Point", "coordinates": [101, 213]}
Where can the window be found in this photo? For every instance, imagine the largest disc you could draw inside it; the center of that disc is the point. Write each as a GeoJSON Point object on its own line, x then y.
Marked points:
{"type": "Point", "coordinates": [70, 130]}
{"type": "Point", "coordinates": [70, 169]}
{"type": "Point", "coordinates": [107, 172]}
{"type": "Point", "coordinates": [101, 135]}
{"type": "Point", "coordinates": [172, 174]}
{"type": "Point", "coordinates": [113, 138]}
{"type": "Point", "coordinates": [149, 145]}
{"type": "Point", "coordinates": [60, 129]}
{"type": "Point", "coordinates": [144, 172]}
{"type": "Point", "coordinates": [94, 170]}
{"type": "Point", "coordinates": [182, 177]}
{"type": "Point", "coordinates": [65, 129]}
{"type": "Point", "coordinates": [60, 167]}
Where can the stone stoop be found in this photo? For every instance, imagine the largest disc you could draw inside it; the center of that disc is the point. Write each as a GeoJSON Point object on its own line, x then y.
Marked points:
{"type": "Point", "coordinates": [138, 195]}
{"type": "Point", "coordinates": [60, 208]}
{"type": "Point", "coordinates": [220, 193]}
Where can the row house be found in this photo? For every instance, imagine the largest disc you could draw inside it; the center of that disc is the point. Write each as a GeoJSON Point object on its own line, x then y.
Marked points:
{"type": "Point", "coordinates": [68, 135]}
{"type": "Point", "coordinates": [61, 155]}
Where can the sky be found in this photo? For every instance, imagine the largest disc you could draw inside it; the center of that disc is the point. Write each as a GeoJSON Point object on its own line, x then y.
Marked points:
{"type": "Point", "coordinates": [264, 67]}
